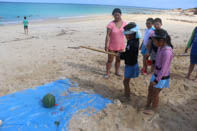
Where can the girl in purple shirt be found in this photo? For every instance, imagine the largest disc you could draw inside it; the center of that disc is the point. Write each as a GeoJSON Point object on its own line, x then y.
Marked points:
{"type": "Point", "coordinates": [161, 77]}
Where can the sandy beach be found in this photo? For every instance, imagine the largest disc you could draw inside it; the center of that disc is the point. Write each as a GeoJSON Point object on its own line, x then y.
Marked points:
{"type": "Point", "coordinates": [44, 56]}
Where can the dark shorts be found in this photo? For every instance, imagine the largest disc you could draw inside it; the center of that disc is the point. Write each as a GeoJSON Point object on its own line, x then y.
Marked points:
{"type": "Point", "coordinates": [193, 59]}
{"type": "Point", "coordinates": [25, 27]}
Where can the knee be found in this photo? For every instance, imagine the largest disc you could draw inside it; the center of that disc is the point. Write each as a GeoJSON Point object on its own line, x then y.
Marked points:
{"type": "Point", "coordinates": [109, 61]}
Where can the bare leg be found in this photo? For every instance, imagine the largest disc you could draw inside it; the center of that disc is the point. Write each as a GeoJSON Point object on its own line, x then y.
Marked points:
{"type": "Point", "coordinates": [191, 68]}
{"type": "Point", "coordinates": [144, 63]}
{"type": "Point", "coordinates": [155, 102]}
{"type": "Point", "coordinates": [155, 98]}
{"type": "Point", "coordinates": [196, 78]}
{"type": "Point", "coordinates": [117, 66]}
{"type": "Point", "coordinates": [27, 31]}
{"type": "Point", "coordinates": [126, 87]}
{"type": "Point", "coordinates": [149, 97]}
{"type": "Point", "coordinates": [152, 68]}
{"type": "Point", "coordinates": [109, 64]}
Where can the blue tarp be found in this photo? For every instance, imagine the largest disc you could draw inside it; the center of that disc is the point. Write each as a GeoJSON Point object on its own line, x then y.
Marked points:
{"type": "Point", "coordinates": [23, 111]}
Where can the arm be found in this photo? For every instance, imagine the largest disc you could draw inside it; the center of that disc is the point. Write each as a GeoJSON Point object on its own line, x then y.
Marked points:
{"type": "Point", "coordinates": [166, 59]}
{"type": "Point", "coordinates": [149, 46]}
{"type": "Point", "coordinates": [107, 39]}
{"type": "Point", "coordinates": [190, 41]}
{"type": "Point", "coordinates": [141, 45]}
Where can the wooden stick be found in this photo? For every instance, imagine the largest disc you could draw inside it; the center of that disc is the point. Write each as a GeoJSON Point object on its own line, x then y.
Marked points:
{"type": "Point", "coordinates": [181, 55]}
{"type": "Point", "coordinates": [111, 53]}
{"type": "Point", "coordinates": [99, 50]}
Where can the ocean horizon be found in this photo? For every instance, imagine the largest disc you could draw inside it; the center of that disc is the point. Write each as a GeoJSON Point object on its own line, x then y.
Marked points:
{"type": "Point", "coordinates": [14, 12]}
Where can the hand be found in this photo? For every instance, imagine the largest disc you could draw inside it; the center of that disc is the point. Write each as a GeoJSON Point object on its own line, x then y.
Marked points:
{"type": "Point", "coordinates": [147, 55]}
{"type": "Point", "coordinates": [186, 50]}
{"type": "Point", "coordinates": [153, 83]}
{"type": "Point", "coordinates": [118, 54]}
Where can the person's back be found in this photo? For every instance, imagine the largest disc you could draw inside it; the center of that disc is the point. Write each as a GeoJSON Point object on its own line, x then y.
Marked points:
{"type": "Point", "coordinates": [25, 22]}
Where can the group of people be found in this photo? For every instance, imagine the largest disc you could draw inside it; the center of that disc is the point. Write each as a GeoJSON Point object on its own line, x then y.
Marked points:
{"type": "Point", "coordinates": [156, 46]}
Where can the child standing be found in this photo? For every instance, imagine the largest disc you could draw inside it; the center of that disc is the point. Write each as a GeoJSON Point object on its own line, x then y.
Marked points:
{"type": "Point", "coordinates": [25, 22]}
{"type": "Point", "coordinates": [130, 56]}
{"type": "Point", "coordinates": [193, 56]}
{"type": "Point", "coordinates": [148, 31]}
{"type": "Point", "coordinates": [151, 47]}
{"type": "Point", "coordinates": [161, 77]}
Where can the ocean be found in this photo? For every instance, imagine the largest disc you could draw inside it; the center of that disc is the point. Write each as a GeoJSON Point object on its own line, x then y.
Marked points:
{"type": "Point", "coordinates": [12, 12]}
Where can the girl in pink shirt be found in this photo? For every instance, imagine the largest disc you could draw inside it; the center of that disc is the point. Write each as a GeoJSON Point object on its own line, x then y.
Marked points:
{"type": "Point", "coordinates": [114, 41]}
{"type": "Point", "coordinates": [161, 77]}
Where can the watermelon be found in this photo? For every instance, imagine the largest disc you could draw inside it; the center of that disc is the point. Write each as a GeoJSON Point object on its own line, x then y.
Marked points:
{"type": "Point", "coordinates": [48, 100]}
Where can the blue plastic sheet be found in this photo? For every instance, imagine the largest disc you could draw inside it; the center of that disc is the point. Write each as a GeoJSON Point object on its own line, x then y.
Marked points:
{"type": "Point", "coordinates": [23, 111]}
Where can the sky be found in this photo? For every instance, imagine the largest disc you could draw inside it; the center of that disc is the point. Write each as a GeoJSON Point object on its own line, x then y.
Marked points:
{"type": "Point", "coordinates": [139, 3]}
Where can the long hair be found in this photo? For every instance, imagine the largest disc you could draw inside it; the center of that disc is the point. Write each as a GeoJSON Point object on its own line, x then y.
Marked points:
{"type": "Point", "coordinates": [163, 34]}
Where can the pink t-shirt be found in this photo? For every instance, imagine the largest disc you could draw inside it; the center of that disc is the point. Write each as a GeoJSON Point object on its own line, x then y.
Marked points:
{"type": "Point", "coordinates": [116, 42]}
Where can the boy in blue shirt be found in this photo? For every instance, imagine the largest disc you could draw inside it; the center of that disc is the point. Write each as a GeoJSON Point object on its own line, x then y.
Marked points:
{"type": "Point", "coordinates": [149, 24]}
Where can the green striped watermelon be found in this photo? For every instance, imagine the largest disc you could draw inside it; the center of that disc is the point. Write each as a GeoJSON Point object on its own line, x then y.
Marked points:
{"type": "Point", "coordinates": [48, 100]}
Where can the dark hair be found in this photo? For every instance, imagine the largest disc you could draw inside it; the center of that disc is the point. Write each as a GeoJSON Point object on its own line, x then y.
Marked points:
{"type": "Point", "coordinates": [25, 17]}
{"type": "Point", "coordinates": [150, 20]}
{"type": "Point", "coordinates": [157, 20]}
{"type": "Point", "coordinates": [116, 10]}
{"type": "Point", "coordinates": [163, 34]}
{"type": "Point", "coordinates": [130, 26]}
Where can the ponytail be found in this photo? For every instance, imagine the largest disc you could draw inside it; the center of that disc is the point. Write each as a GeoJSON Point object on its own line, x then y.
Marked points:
{"type": "Point", "coordinates": [163, 34]}
{"type": "Point", "coordinates": [168, 41]}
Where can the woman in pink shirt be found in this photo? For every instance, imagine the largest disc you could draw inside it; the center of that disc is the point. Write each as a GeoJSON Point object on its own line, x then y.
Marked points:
{"type": "Point", "coordinates": [114, 41]}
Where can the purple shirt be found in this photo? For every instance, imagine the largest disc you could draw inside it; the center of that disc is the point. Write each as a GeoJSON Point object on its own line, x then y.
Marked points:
{"type": "Point", "coordinates": [163, 62]}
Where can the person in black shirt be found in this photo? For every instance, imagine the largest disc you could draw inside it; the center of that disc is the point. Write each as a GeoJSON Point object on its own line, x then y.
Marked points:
{"type": "Point", "coordinates": [130, 56]}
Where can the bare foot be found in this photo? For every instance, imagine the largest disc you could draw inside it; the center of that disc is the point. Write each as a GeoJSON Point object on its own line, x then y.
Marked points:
{"type": "Point", "coordinates": [118, 74]}
{"type": "Point", "coordinates": [187, 77]}
{"type": "Point", "coordinates": [145, 108]}
{"type": "Point", "coordinates": [106, 76]}
{"type": "Point", "coordinates": [149, 112]}
{"type": "Point", "coordinates": [124, 98]}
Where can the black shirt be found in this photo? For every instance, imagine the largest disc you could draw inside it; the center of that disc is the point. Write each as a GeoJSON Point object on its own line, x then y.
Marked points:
{"type": "Point", "coordinates": [131, 54]}
{"type": "Point", "coordinates": [154, 47]}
